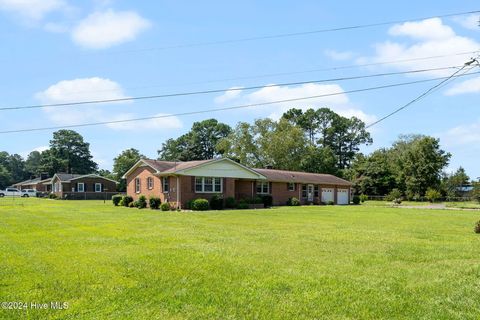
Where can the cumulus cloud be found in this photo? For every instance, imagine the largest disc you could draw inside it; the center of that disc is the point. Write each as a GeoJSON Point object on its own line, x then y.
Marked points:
{"type": "Point", "coordinates": [430, 37]}
{"type": "Point", "coordinates": [467, 134]}
{"type": "Point", "coordinates": [88, 89]}
{"type": "Point", "coordinates": [338, 55]}
{"type": "Point", "coordinates": [230, 94]}
{"type": "Point", "coordinates": [336, 100]}
{"type": "Point", "coordinates": [468, 22]}
{"type": "Point", "coordinates": [108, 28]}
{"type": "Point", "coordinates": [467, 86]}
{"type": "Point", "coordinates": [32, 10]}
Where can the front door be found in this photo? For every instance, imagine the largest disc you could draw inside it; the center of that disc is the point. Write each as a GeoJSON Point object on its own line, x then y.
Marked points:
{"type": "Point", "coordinates": [310, 192]}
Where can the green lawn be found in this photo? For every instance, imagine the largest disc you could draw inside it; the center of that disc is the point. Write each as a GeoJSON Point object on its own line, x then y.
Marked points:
{"type": "Point", "coordinates": [355, 262]}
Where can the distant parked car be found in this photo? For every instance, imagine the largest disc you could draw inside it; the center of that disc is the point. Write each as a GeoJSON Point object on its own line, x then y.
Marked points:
{"type": "Point", "coordinates": [10, 192]}
{"type": "Point", "coordinates": [29, 193]}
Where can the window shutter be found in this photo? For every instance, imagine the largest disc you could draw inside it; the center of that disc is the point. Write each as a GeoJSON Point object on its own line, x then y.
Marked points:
{"type": "Point", "coordinates": [193, 184]}
{"type": "Point", "coordinates": [224, 185]}
{"type": "Point", "coordinates": [288, 188]}
{"type": "Point", "coordinates": [270, 187]}
{"type": "Point", "coordinates": [85, 187]}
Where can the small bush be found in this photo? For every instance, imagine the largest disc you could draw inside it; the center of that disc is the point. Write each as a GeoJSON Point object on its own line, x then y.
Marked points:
{"type": "Point", "coordinates": [323, 203]}
{"type": "Point", "coordinates": [363, 198]}
{"type": "Point", "coordinates": [330, 203]}
{"type": "Point", "coordinates": [242, 204]}
{"type": "Point", "coordinates": [189, 204]}
{"type": "Point", "coordinates": [131, 204]}
{"type": "Point", "coordinates": [216, 202]}
{"type": "Point", "coordinates": [394, 194]}
{"type": "Point", "coordinates": [116, 199]}
{"type": "Point", "coordinates": [121, 202]}
{"type": "Point", "coordinates": [165, 206]}
{"type": "Point", "coordinates": [141, 203]}
{"type": "Point", "coordinates": [154, 202]}
{"type": "Point", "coordinates": [293, 201]}
{"type": "Point", "coordinates": [127, 200]}
{"type": "Point", "coordinates": [356, 200]}
{"type": "Point", "coordinates": [432, 195]}
{"type": "Point", "coordinates": [267, 200]}
{"type": "Point", "coordinates": [200, 204]}
{"type": "Point", "coordinates": [477, 227]}
{"type": "Point", "coordinates": [52, 196]}
{"type": "Point", "coordinates": [397, 201]}
{"type": "Point", "coordinates": [230, 203]}
{"type": "Point", "coordinates": [173, 206]}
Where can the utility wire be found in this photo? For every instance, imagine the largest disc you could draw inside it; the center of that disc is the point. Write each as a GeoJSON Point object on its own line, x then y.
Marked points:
{"type": "Point", "coordinates": [302, 33]}
{"type": "Point", "coordinates": [426, 93]}
{"type": "Point", "coordinates": [178, 94]}
{"type": "Point", "coordinates": [231, 107]}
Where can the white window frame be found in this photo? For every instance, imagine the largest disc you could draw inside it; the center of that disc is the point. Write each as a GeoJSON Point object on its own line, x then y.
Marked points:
{"type": "Point", "coordinates": [83, 187]}
{"type": "Point", "coordinates": [261, 185]}
{"type": "Point", "coordinates": [291, 186]}
{"type": "Point", "coordinates": [316, 191]}
{"type": "Point", "coordinates": [149, 183]}
{"type": "Point", "coordinates": [98, 184]}
{"type": "Point", "coordinates": [304, 191]}
{"type": "Point", "coordinates": [214, 184]}
{"type": "Point", "coordinates": [137, 185]}
{"type": "Point", "coordinates": [165, 184]}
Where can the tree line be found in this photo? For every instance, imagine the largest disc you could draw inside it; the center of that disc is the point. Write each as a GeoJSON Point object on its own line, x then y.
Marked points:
{"type": "Point", "coordinates": [311, 140]}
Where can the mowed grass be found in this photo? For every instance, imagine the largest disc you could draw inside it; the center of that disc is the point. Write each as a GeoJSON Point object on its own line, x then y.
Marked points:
{"type": "Point", "coordinates": [327, 262]}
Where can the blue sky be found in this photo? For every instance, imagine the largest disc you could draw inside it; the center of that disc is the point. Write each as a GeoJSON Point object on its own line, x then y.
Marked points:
{"type": "Point", "coordinates": [60, 50]}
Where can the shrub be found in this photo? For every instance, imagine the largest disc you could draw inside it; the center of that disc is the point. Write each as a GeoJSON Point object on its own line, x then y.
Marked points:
{"type": "Point", "coordinates": [432, 195]}
{"type": "Point", "coordinates": [116, 199]}
{"type": "Point", "coordinates": [256, 200]}
{"type": "Point", "coordinates": [267, 200]}
{"type": "Point", "coordinates": [173, 206]}
{"type": "Point", "coordinates": [165, 206]}
{"type": "Point", "coordinates": [154, 202]}
{"type": "Point", "coordinates": [216, 202]}
{"type": "Point", "coordinates": [293, 201]}
{"type": "Point", "coordinates": [394, 194]}
{"type": "Point", "coordinates": [363, 198]}
{"type": "Point", "coordinates": [397, 201]}
{"type": "Point", "coordinates": [230, 203]}
{"type": "Point", "coordinates": [141, 203]}
{"type": "Point", "coordinates": [330, 203]}
{"type": "Point", "coordinates": [127, 200]}
{"type": "Point", "coordinates": [356, 200]}
{"type": "Point", "coordinates": [52, 196]}
{"type": "Point", "coordinates": [477, 227]}
{"type": "Point", "coordinates": [131, 204]}
{"type": "Point", "coordinates": [200, 204]}
{"type": "Point", "coordinates": [242, 204]}
{"type": "Point", "coordinates": [121, 202]}
{"type": "Point", "coordinates": [189, 204]}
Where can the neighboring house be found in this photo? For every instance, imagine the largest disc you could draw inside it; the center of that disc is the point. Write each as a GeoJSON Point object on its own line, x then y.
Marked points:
{"type": "Point", "coordinates": [37, 184]}
{"type": "Point", "coordinates": [181, 182]}
{"type": "Point", "coordinates": [82, 186]}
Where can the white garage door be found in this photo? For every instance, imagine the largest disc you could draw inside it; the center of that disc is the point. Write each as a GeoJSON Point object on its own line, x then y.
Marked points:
{"type": "Point", "coordinates": [342, 196]}
{"type": "Point", "coordinates": [327, 195]}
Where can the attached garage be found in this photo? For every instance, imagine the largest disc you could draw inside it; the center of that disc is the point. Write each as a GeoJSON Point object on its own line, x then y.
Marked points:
{"type": "Point", "coordinates": [342, 196]}
{"type": "Point", "coordinates": [327, 195]}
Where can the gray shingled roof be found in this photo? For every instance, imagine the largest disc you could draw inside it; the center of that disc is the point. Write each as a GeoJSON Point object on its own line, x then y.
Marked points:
{"type": "Point", "coordinates": [67, 176]}
{"type": "Point", "coordinates": [302, 177]}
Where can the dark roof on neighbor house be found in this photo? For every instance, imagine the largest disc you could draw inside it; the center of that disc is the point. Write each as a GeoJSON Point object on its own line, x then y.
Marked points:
{"type": "Point", "coordinates": [270, 174]}
{"type": "Point", "coordinates": [32, 181]}
{"type": "Point", "coordinates": [301, 177]}
{"type": "Point", "coordinates": [67, 177]}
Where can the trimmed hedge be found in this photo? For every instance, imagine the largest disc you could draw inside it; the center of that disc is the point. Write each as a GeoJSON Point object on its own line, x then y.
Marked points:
{"type": "Point", "coordinates": [293, 201]}
{"type": "Point", "coordinates": [127, 200]}
{"type": "Point", "coordinates": [216, 202]}
{"type": "Point", "coordinates": [165, 206]}
{"type": "Point", "coordinates": [356, 200]}
{"type": "Point", "coordinates": [200, 204]}
{"type": "Point", "coordinates": [242, 204]}
{"type": "Point", "coordinates": [154, 202]}
{"type": "Point", "coordinates": [116, 199]}
{"type": "Point", "coordinates": [267, 200]}
{"type": "Point", "coordinates": [230, 203]}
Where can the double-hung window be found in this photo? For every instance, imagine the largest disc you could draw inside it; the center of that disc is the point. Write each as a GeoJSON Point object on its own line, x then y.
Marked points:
{"type": "Point", "coordinates": [98, 187]}
{"type": "Point", "coordinates": [137, 185]}
{"type": "Point", "coordinates": [291, 186]}
{"type": "Point", "coordinates": [165, 184]}
{"type": "Point", "coordinates": [150, 183]}
{"type": "Point", "coordinates": [81, 187]}
{"type": "Point", "coordinates": [304, 190]}
{"type": "Point", "coordinates": [263, 187]}
{"type": "Point", "coordinates": [208, 184]}
{"type": "Point", "coordinates": [315, 191]}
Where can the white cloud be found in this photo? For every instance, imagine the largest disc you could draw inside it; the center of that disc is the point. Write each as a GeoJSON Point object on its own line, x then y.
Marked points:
{"type": "Point", "coordinates": [108, 28]}
{"type": "Point", "coordinates": [423, 39]}
{"type": "Point", "coordinates": [25, 154]}
{"type": "Point", "coordinates": [467, 86]}
{"type": "Point", "coordinates": [468, 134]}
{"type": "Point", "coordinates": [469, 22]}
{"type": "Point", "coordinates": [339, 102]}
{"type": "Point", "coordinates": [95, 88]}
{"type": "Point", "coordinates": [338, 55]}
{"type": "Point", "coordinates": [32, 10]}
{"type": "Point", "coordinates": [230, 94]}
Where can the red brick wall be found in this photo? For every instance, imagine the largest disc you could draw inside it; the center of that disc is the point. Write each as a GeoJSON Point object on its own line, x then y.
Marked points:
{"type": "Point", "coordinates": [143, 173]}
{"type": "Point", "coordinates": [280, 193]}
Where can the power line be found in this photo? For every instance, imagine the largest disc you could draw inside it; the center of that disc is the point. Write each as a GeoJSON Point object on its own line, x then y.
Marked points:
{"type": "Point", "coordinates": [426, 93]}
{"type": "Point", "coordinates": [296, 34]}
{"type": "Point", "coordinates": [178, 94]}
{"type": "Point", "coordinates": [230, 108]}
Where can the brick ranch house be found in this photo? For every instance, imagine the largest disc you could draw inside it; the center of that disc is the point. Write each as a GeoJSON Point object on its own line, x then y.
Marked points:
{"type": "Point", "coordinates": [181, 182]}
{"type": "Point", "coordinates": [82, 186]}
{"type": "Point", "coordinates": [37, 184]}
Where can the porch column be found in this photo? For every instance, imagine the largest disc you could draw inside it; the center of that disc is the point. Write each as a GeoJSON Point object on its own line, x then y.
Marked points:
{"type": "Point", "coordinates": [178, 193]}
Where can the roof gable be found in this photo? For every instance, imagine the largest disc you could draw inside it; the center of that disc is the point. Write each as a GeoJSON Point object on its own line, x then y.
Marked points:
{"type": "Point", "coordinates": [223, 168]}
